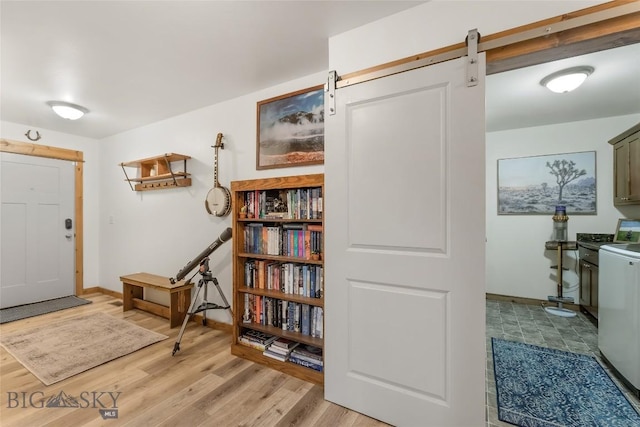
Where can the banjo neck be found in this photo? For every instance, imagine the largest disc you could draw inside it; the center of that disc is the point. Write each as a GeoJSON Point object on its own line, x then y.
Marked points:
{"type": "Point", "coordinates": [218, 145]}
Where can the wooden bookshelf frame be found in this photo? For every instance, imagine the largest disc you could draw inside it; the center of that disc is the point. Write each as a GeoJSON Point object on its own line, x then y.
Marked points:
{"type": "Point", "coordinates": [238, 189]}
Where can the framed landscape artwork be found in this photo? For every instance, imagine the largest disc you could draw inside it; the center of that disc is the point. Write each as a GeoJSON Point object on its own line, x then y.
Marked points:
{"type": "Point", "coordinates": [536, 185]}
{"type": "Point", "coordinates": [291, 129]}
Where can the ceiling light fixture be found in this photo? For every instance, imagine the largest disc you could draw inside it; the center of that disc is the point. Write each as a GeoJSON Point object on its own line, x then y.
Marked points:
{"type": "Point", "coordinates": [566, 80]}
{"type": "Point", "coordinates": [67, 110]}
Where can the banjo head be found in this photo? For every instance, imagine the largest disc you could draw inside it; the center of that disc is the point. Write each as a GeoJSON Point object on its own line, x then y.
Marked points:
{"type": "Point", "coordinates": [218, 201]}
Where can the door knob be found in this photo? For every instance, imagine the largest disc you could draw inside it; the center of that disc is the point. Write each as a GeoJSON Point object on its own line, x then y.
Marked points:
{"type": "Point", "coordinates": [68, 236]}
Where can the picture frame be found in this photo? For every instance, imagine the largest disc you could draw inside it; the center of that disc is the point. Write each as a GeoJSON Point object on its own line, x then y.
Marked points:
{"type": "Point", "coordinates": [535, 185]}
{"type": "Point", "coordinates": [290, 129]}
{"type": "Point", "coordinates": [627, 231]}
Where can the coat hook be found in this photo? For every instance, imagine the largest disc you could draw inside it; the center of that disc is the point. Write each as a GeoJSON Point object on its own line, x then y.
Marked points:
{"type": "Point", "coordinates": [28, 135]}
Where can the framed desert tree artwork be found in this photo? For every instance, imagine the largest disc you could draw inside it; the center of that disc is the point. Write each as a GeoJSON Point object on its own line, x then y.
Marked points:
{"type": "Point", "coordinates": [291, 129]}
{"type": "Point", "coordinates": [537, 184]}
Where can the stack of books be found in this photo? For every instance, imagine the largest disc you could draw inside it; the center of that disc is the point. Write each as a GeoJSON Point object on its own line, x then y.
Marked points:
{"type": "Point", "coordinates": [307, 355]}
{"type": "Point", "coordinates": [256, 339]}
{"type": "Point", "coordinates": [280, 349]}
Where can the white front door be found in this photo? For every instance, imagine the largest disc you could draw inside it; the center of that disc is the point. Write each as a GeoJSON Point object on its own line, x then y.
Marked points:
{"type": "Point", "coordinates": [405, 263]}
{"type": "Point", "coordinates": [38, 243]}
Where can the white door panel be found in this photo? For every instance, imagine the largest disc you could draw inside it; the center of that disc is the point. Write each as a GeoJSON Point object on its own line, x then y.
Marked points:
{"type": "Point", "coordinates": [404, 177]}
{"type": "Point", "coordinates": [37, 251]}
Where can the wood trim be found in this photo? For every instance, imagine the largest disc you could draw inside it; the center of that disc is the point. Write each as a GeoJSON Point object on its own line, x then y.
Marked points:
{"type": "Point", "coordinates": [104, 291]}
{"type": "Point", "coordinates": [29, 149]}
{"type": "Point", "coordinates": [79, 215]}
{"type": "Point", "coordinates": [36, 150]}
{"type": "Point", "coordinates": [596, 34]}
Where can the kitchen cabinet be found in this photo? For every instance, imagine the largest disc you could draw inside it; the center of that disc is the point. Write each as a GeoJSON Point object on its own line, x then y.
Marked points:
{"type": "Point", "coordinates": [626, 167]}
{"type": "Point", "coordinates": [588, 280]}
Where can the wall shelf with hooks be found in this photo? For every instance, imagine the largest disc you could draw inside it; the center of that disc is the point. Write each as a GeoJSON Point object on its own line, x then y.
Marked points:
{"type": "Point", "coordinates": [156, 173]}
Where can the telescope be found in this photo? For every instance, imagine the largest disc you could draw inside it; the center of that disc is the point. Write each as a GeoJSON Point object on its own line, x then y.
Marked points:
{"type": "Point", "coordinates": [224, 236]}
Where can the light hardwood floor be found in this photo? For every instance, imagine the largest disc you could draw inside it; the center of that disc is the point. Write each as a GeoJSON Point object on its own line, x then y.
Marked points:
{"type": "Point", "coordinates": [202, 385]}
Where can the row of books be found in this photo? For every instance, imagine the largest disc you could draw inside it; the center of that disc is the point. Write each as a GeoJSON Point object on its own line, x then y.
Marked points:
{"type": "Point", "coordinates": [307, 356]}
{"type": "Point", "coordinates": [284, 349]}
{"type": "Point", "coordinates": [286, 315]}
{"type": "Point", "coordinates": [301, 203]}
{"type": "Point", "coordinates": [291, 240]}
{"type": "Point", "coordinates": [304, 355]}
{"type": "Point", "coordinates": [256, 339]}
{"type": "Point", "coordinates": [289, 278]}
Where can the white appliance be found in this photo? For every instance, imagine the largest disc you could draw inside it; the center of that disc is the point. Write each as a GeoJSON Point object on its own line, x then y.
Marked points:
{"type": "Point", "coordinates": [619, 311]}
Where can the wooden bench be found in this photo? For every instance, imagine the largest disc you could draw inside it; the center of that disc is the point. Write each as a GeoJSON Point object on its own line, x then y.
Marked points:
{"type": "Point", "coordinates": [133, 296]}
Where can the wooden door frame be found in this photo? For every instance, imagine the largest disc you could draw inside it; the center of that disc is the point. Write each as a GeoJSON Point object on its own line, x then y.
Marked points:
{"type": "Point", "coordinates": [36, 150]}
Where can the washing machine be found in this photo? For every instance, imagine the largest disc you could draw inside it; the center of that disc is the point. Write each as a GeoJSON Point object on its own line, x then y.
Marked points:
{"type": "Point", "coordinates": [619, 310]}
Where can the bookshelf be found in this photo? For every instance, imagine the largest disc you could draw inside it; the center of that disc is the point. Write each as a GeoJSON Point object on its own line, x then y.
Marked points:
{"type": "Point", "coordinates": [278, 272]}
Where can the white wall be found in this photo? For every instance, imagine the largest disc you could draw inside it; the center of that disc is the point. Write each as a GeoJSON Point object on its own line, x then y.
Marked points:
{"type": "Point", "coordinates": [434, 25]}
{"type": "Point", "coordinates": [160, 231]}
{"type": "Point", "coordinates": [517, 263]}
{"type": "Point", "coordinates": [442, 23]}
{"type": "Point", "coordinates": [91, 178]}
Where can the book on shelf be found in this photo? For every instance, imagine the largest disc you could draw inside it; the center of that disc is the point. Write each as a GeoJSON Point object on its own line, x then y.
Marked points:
{"type": "Point", "coordinates": [305, 319]}
{"type": "Point", "coordinates": [280, 349]}
{"type": "Point", "coordinates": [301, 203]}
{"type": "Point", "coordinates": [309, 352]}
{"type": "Point", "coordinates": [276, 215]}
{"type": "Point", "coordinates": [317, 322]}
{"type": "Point", "coordinates": [246, 342]}
{"type": "Point", "coordinates": [258, 336]}
{"type": "Point", "coordinates": [294, 240]}
{"type": "Point", "coordinates": [306, 363]}
{"type": "Point", "coordinates": [274, 355]}
{"type": "Point", "coordinates": [253, 343]}
{"type": "Point", "coordinates": [285, 343]}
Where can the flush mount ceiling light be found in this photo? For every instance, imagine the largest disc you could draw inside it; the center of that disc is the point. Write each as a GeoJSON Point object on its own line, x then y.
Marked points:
{"type": "Point", "coordinates": [566, 80]}
{"type": "Point", "coordinates": [67, 110]}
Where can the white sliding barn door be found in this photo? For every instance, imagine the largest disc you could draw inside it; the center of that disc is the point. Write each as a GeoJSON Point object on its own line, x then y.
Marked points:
{"type": "Point", "coordinates": [405, 264]}
{"type": "Point", "coordinates": [37, 249]}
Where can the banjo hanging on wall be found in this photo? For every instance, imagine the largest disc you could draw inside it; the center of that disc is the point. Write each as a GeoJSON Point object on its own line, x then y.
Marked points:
{"type": "Point", "coordinates": [218, 200]}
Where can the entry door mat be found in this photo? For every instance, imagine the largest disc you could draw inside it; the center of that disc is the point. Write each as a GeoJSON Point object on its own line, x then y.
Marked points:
{"type": "Point", "coordinates": [66, 348]}
{"type": "Point", "coordinates": [540, 386]}
{"type": "Point", "coordinates": [37, 308]}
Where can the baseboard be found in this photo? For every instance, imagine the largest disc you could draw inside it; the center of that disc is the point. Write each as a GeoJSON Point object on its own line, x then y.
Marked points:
{"type": "Point", "coordinates": [101, 290]}
{"type": "Point", "coordinates": [529, 301]}
{"type": "Point", "coordinates": [213, 324]}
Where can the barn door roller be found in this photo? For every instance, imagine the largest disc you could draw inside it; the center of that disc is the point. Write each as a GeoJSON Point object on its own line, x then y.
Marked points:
{"type": "Point", "coordinates": [472, 57]}
{"type": "Point", "coordinates": [330, 89]}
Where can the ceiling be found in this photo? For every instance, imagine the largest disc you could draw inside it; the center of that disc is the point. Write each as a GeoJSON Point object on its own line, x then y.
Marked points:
{"type": "Point", "coordinates": [515, 99]}
{"type": "Point", "coordinates": [132, 63]}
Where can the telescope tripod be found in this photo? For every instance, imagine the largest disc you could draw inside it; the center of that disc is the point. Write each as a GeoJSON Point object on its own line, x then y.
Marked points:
{"type": "Point", "coordinates": [204, 306]}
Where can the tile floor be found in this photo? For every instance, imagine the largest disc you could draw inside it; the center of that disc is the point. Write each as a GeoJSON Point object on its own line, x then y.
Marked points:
{"type": "Point", "coordinates": [533, 325]}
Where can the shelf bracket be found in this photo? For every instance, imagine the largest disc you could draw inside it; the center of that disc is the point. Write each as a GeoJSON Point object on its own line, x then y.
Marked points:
{"type": "Point", "coordinates": [166, 159]}
{"type": "Point", "coordinates": [126, 176]}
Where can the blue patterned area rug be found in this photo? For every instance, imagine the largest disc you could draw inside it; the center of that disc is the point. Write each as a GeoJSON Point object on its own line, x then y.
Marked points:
{"type": "Point", "coordinates": [544, 387]}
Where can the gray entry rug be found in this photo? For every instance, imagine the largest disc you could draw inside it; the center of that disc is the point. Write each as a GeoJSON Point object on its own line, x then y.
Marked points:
{"type": "Point", "coordinates": [37, 308]}
{"type": "Point", "coordinates": [66, 348]}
